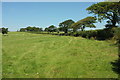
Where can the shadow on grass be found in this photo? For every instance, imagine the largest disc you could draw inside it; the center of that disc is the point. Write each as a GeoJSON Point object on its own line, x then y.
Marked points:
{"type": "Point", "coordinates": [116, 66]}
{"type": "Point", "coordinates": [116, 63]}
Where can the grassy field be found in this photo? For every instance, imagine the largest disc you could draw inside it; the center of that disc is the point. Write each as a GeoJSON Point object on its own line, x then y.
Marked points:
{"type": "Point", "coordinates": [27, 55]}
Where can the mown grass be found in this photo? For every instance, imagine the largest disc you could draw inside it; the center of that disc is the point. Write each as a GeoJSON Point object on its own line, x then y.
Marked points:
{"type": "Point", "coordinates": [27, 55]}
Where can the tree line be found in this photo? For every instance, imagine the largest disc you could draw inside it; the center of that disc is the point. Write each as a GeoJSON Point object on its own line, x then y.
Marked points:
{"type": "Point", "coordinates": [65, 26]}
{"type": "Point", "coordinates": [29, 28]}
{"type": "Point", "coordinates": [109, 11]}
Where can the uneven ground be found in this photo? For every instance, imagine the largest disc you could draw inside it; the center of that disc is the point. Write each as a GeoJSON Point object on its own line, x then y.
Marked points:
{"type": "Point", "coordinates": [27, 55]}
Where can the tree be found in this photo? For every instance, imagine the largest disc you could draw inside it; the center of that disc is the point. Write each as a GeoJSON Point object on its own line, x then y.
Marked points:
{"type": "Point", "coordinates": [86, 22]}
{"type": "Point", "coordinates": [52, 28]}
{"type": "Point", "coordinates": [22, 29]}
{"type": "Point", "coordinates": [4, 30]}
{"type": "Point", "coordinates": [29, 28]}
{"type": "Point", "coordinates": [40, 29]}
{"type": "Point", "coordinates": [106, 11]}
{"type": "Point", "coordinates": [65, 25]}
{"type": "Point", "coordinates": [76, 26]}
{"type": "Point", "coordinates": [46, 29]}
{"type": "Point", "coordinates": [35, 29]}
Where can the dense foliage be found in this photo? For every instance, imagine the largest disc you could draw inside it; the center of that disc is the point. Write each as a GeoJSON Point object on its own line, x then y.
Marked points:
{"type": "Point", "coordinates": [51, 28]}
{"type": "Point", "coordinates": [86, 22]}
{"type": "Point", "coordinates": [102, 34]}
{"type": "Point", "coordinates": [29, 28]}
{"type": "Point", "coordinates": [4, 30]}
{"type": "Point", "coordinates": [106, 11]}
{"type": "Point", "coordinates": [65, 25]}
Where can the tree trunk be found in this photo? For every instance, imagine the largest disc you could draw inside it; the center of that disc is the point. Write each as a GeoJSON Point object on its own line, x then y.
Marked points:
{"type": "Point", "coordinates": [82, 29]}
{"type": "Point", "coordinates": [114, 20]}
{"type": "Point", "coordinates": [114, 23]}
{"type": "Point", "coordinates": [66, 30]}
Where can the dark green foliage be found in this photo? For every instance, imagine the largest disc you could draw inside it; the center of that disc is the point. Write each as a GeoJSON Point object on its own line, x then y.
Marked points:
{"type": "Point", "coordinates": [86, 22]}
{"type": "Point", "coordinates": [46, 29]}
{"type": "Point", "coordinates": [86, 34]}
{"type": "Point", "coordinates": [51, 28]}
{"type": "Point", "coordinates": [109, 26]}
{"type": "Point", "coordinates": [4, 30]}
{"type": "Point", "coordinates": [23, 30]}
{"type": "Point", "coordinates": [64, 26]}
{"type": "Point", "coordinates": [31, 29]}
{"type": "Point", "coordinates": [105, 34]}
{"type": "Point", "coordinates": [106, 11]}
{"type": "Point", "coordinates": [117, 35]}
{"type": "Point", "coordinates": [102, 34]}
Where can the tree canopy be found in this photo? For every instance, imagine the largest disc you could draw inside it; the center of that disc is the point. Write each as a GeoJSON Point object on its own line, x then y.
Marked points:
{"type": "Point", "coordinates": [106, 11]}
{"type": "Point", "coordinates": [52, 28]}
{"type": "Point", "coordinates": [29, 28]}
{"type": "Point", "coordinates": [65, 25]}
{"type": "Point", "coordinates": [86, 22]}
{"type": "Point", "coordinates": [4, 30]}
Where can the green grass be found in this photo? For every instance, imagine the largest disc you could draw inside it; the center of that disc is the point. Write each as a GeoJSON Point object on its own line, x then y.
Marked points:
{"type": "Point", "coordinates": [27, 55]}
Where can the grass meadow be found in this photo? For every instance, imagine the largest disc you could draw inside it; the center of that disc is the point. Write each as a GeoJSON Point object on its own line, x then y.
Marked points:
{"type": "Point", "coordinates": [27, 55]}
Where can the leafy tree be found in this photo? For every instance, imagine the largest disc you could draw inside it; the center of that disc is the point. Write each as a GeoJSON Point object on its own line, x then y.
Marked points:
{"type": "Point", "coordinates": [60, 28]}
{"type": "Point", "coordinates": [4, 30]}
{"type": "Point", "coordinates": [52, 28]}
{"type": "Point", "coordinates": [75, 26]}
{"type": "Point", "coordinates": [86, 22]}
{"type": "Point", "coordinates": [46, 29]}
{"type": "Point", "coordinates": [106, 11]}
{"type": "Point", "coordinates": [35, 29]}
{"type": "Point", "coordinates": [29, 28]}
{"type": "Point", "coordinates": [40, 29]}
{"type": "Point", "coordinates": [64, 26]}
{"type": "Point", "coordinates": [22, 29]}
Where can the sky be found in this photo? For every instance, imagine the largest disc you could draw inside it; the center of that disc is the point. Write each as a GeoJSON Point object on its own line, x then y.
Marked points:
{"type": "Point", "coordinates": [16, 15]}
{"type": "Point", "coordinates": [56, 0]}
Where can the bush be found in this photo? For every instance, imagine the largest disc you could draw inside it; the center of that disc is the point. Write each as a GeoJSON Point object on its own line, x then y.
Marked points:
{"type": "Point", "coordinates": [117, 35]}
{"type": "Point", "coordinates": [105, 34]}
{"type": "Point", "coordinates": [96, 34]}
{"type": "Point", "coordinates": [4, 30]}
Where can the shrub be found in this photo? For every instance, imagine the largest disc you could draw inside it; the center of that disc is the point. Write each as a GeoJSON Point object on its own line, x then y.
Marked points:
{"type": "Point", "coordinates": [96, 34]}
{"type": "Point", "coordinates": [117, 35]}
{"type": "Point", "coordinates": [4, 30]}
